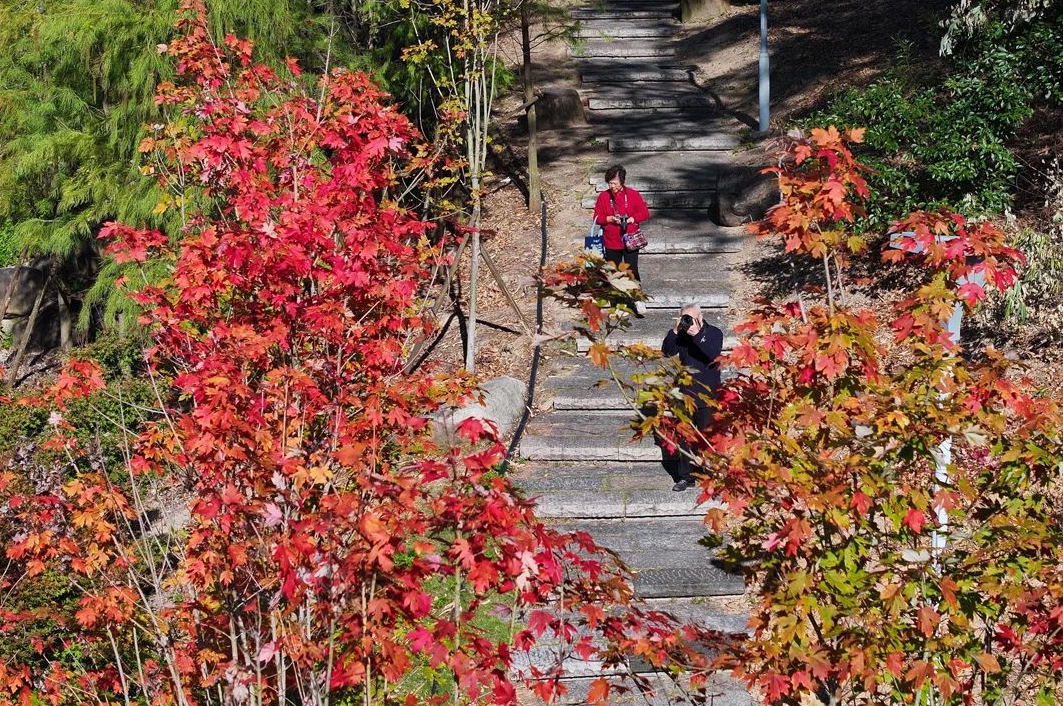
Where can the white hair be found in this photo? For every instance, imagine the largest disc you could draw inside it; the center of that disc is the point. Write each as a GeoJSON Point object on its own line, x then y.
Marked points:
{"type": "Point", "coordinates": [691, 309]}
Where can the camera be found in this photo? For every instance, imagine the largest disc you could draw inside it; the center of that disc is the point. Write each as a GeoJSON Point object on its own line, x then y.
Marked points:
{"type": "Point", "coordinates": [622, 222]}
{"type": "Point", "coordinates": [685, 322]}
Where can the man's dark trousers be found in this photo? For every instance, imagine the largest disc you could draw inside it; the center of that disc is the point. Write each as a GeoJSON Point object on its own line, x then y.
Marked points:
{"type": "Point", "coordinates": [678, 465]}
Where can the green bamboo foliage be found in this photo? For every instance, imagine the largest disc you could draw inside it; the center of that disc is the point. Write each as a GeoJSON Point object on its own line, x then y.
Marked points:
{"type": "Point", "coordinates": [77, 87]}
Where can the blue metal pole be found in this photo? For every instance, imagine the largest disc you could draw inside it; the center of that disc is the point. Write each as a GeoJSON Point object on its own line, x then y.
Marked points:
{"type": "Point", "coordinates": [765, 89]}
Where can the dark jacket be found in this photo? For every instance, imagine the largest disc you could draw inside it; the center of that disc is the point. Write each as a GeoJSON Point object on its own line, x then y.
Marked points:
{"type": "Point", "coordinates": [699, 353]}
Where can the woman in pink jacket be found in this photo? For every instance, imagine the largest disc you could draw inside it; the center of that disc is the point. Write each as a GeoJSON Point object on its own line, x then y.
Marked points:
{"type": "Point", "coordinates": [615, 202]}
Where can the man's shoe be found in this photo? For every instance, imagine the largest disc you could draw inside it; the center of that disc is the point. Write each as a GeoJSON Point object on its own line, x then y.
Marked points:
{"type": "Point", "coordinates": [682, 485]}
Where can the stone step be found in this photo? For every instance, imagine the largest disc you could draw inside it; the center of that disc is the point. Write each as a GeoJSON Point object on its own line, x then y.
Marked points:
{"type": "Point", "coordinates": [635, 74]}
{"type": "Point", "coordinates": [574, 400]}
{"type": "Point", "coordinates": [665, 554]}
{"type": "Point", "coordinates": [620, 30]}
{"type": "Point", "coordinates": [579, 436]}
{"type": "Point", "coordinates": [592, 388]}
{"type": "Point", "coordinates": [673, 281]}
{"type": "Point", "coordinates": [693, 120]}
{"type": "Point", "coordinates": [601, 493]}
{"type": "Point", "coordinates": [723, 690]}
{"type": "Point", "coordinates": [703, 199]}
{"type": "Point", "coordinates": [643, 96]}
{"type": "Point", "coordinates": [687, 582]}
{"type": "Point", "coordinates": [725, 615]}
{"type": "Point", "coordinates": [608, 12]}
{"type": "Point", "coordinates": [649, 330]}
{"type": "Point", "coordinates": [670, 243]}
{"type": "Point", "coordinates": [666, 242]}
{"type": "Point", "coordinates": [622, 51]}
{"type": "Point", "coordinates": [680, 535]}
{"type": "Point", "coordinates": [689, 232]}
{"type": "Point", "coordinates": [674, 143]}
{"type": "Point", "coordinates": [675, 130]}
{"type": "Point", "coordinates": [676, 171]}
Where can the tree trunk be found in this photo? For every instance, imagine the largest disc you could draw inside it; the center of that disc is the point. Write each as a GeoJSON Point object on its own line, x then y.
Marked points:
{"type": "Point", "coordinates": [30, 322]}
{"type": "Point", "coordinates": [534, 192]}
{"type": "Point", "coordinates": [64, 320]}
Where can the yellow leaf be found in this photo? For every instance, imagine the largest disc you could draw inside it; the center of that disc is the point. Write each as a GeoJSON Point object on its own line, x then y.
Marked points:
{"type": "Point", "coordinates": [987, 662]}
{"type": "Point", "coordinates": [320, 474]}
{"type": "Point", "coordinates": [599, 354]}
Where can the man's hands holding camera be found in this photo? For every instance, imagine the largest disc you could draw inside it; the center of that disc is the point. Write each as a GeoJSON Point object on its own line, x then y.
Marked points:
{"type": "Point", "coordinates": [690, 325]}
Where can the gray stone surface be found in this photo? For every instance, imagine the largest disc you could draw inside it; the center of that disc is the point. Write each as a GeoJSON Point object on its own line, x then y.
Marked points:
{"type": "Point", "coordinates": [619, 30]}
{"type": "Point", "coordinates": [651, 328]}
{"type": "Point", "coordinates": [558, 107]}
{"type": "Point", "coordinates": [649, 122]}
{"type": "Point", "coordinates": [685, 582]}
{"type": "Point", "coordinates": [577, 436]}
{"type": "Point", "coordinates": [635, 49]}
{"type": "Point", "coordinates": [642, 96]}
{"type": "Point", "coordinates": [610, 12]}
{"type": "Point", "coordinates": [752, 202]}
{"type": "Point", "coordinates": [725, 692]}
{"type": "Point", "coordinates": [28, 283]}
{"type": "Point", "coordinates": [672, 142]}
{"type": "Point", "coordinates": [702, 200]}
{"type": "Point", "coordinates": [677, 171]}
{"type": "Point", "coordinates": [503, 404]}
{"type": "Point", "coordinates": [634, 75]}
{"type": "Point", "coordinates": [693, 243]}
{"type": "Point", "coordinates": [621, 503]}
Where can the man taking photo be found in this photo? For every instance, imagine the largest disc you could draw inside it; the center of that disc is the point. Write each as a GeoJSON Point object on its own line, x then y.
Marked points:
{"type": "Point", "coordinates": [697, 345]}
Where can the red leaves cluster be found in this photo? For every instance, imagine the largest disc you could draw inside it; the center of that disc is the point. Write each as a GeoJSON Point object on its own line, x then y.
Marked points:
{"type": "Point", "coordinates": [966, 259]}
{"type": "Point", "coordinates": [818, 178]}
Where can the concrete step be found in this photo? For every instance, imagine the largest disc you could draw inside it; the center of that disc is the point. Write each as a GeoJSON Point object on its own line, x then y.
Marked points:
{"type": "Point", "coordinates": [616, 491]}
{"type": "Point", "coordinates": [620, 30]}
{"type": "Point", "coordinates": [626, 9]}
{"type": "Point", "coordinates": [625, 75]}
{"type": "Point", "coordinates": [666, 11]}
{"type": "Point", "coordinates": [588, 387]}
{"type": "Point", "coordinates": [676, 171]}
{"type": "Point", "coordinates": [666, 242]}
{"type": "Point", "coordinates": [665, 554]}
{"type": "Point", "coordinates": [642, 96]}
{"type": "Point", "coordinates": [697, 120]}
{"type": "Point", "coordinates": [585, 436]}
{"type": "Point", "coordinates": [726, 615]}
{"type": "Point", "coordinates": [688, 232]}
{"type": "Point", "coordinates": [671, 130]}
{"type": "Point", "coordinates": [674, 143]}
{"type": "Point", "coordinates": [703, 199]}
{"type": "Point", "coordinates": [723, 690]}
{"type": "Point", "coordinates": [622, 51]}
{"type": "Point", "coordinates": [686, 582]}
{"type": "Point", "coordinates": [650, 329]}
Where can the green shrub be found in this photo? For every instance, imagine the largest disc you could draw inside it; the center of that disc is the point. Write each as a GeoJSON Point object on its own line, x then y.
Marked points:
{"type": "Point", "coordinates": [936, 146]}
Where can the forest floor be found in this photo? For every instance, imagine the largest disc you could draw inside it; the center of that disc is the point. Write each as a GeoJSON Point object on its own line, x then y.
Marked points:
{"type": "Point", "coordinates": [814, 54]}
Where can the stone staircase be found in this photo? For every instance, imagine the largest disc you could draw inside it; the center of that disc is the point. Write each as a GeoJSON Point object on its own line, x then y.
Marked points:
{"type": "Point", "coordinates": [579, 460]}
